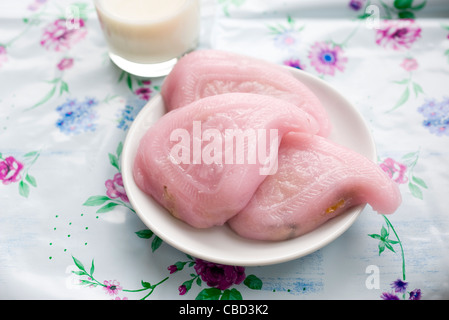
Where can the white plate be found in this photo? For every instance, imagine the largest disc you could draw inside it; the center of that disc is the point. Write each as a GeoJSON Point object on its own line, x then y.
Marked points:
{"type": "Point", "coordinates": [221, 244]}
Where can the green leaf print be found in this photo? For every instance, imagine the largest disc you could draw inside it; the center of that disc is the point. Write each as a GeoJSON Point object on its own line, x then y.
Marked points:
{"type": "Point", "coordinates": [47, 97]}
{"type": "Point", "coordinates": [403, 99]}
{"type": "Point", "coordinates": [145, 234]}
{"type": "Point", "coordinates": [403, 4]}
{"type": "Point", "coordinates": [419, 181]}
{"type": "Point", "coordinates": [107, 207]}
{"type": "Point", "coordinates": [31, 180]}
{"type": "Point", "coordinates": [156, 243]}
{"type": "Point", "coordinates": [112, 287]}
{"type": "Point", "coordinates": [24, 189]}
{"type": "Point", "coordinates": [96, 200]}
{"type": "Point", "coordinates": [416, 191]}
{"type": "Point", "coordinates": [386, 242]}
{"type": "Point", "coordinates": [253, 282]}
{"type": "Point", "coordinates": [209, 294]}
{"type": "Point", "coordinates": [231, 294]}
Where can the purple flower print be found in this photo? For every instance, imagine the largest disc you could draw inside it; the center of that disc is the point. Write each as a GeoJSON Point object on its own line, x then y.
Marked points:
{"type": "Point", "coordinates": [173, 268]}
{"type": "Point", "coordinates": [58, 37]}
{"type": "Point", "coordinates": [182, 290]}
{"type": "Point", "coordinates": [115, 188]}
{"type": "Point", "coordinates": [399, 286]}
{"type": "Point", "coordinates": [415, 295]}
{"type": "Point", "coordinates": [10, 170]}
{"type": "Point", "coordinates": [389, 296]}
{"type": "Point", "coordinates": [294, 63]}
{"type": "Point", "coordinates": [112, 287]}
{"type": "Point", "coordinates": [218, 278]}
{"type": "Point", "coordinates": [356, 4]}
{"type": "Point", "coordinates": [397, 34]}
{"type": "Point", "coordinates": [327, 58]}
{"type": "Point", "coordinates": [218, 275]}
{"type": "Point", "coordinates": [3, 56]}
{"type": "Point", "coordinates": [65, 63]}
{"type": "Point", "coordinates": [395, 170]}
{"type": "Point", "coordinates": [432, 109]}
{"type": "Point", "coordinates": [36, 5]}
{"type": "Point", "coordinates": [143, 93]}
{"type": "Point", "coordinates": [436, 116]}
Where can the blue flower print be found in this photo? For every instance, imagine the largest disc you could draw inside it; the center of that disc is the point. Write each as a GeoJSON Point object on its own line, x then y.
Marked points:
{"type": "Point", "coordinates": [436, 116]}
{"type": "Point", "coordinates": [77, 117]}
{"type": "Point", "coordinates": [129, 112]}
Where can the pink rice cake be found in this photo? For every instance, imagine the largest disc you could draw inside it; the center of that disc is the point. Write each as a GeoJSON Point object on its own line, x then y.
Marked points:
{"type": "Point", "coordinates": [204, 73]}
{"type": "Point", "coordinates": [173, 161]}
{"type": "Point", "coordinates": [317, 179]}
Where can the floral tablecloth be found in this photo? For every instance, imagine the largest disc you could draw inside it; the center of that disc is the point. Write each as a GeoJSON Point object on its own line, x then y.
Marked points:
{"type": "Point", "coordinates": [67, 229]}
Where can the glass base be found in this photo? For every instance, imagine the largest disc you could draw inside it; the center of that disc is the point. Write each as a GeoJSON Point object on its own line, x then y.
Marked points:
{"type": "Point", "coordinates": [144, 70]}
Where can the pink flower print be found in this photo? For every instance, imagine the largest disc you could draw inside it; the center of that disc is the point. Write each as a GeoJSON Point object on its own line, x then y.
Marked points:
{"type": "Point", "coordinates": [143, 93]}
{"type": "Point", "coordinates": [115, 188]}
{"type": "Point", "coordinates": [65, 63]}
{"type": "Point", "coordinates": [286, 39]}
{"type": "Point", "coordinates": [397, 34]}
{"type": "Point", "coordinates": [395, 170]}
{"type": "Point", "coordinates": [3, 56]}
{"type": "Point", "coordinates": [326, 58]}
{"type": "Point", "coordinates": [286, 35]}
{"type": "Point", "coordinates": [112, 287]}
{"type": "Point", "coordinates": [10, 170]}
{"type": "Point", "coordinates": [409, 64]}
{"type": "Point", "coordinates": [57, 37]}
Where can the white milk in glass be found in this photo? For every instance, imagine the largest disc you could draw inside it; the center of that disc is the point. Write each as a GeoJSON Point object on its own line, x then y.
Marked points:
{"type": "Point", "coordinates": [149, 35]}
